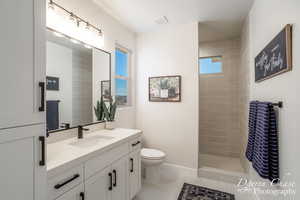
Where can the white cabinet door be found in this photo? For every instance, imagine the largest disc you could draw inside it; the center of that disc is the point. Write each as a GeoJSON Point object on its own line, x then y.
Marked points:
{"type": "Point", "coordinates": [120, 175]}
{"type": "Point", "coordinates": [134, 173]}
{"type": "Point", "coordinates": [99, 186]}
{"type": "Point", "coordinates": [74, 194]}
{"type": "Point", "coordinates": [22, 61]}
{"type": "Point", "coordinates": [21, 176]}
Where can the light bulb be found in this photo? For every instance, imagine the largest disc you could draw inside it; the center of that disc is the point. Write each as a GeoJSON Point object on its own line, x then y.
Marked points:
{"type": "Point", "coordinates": [72, 17]}
{"type": "Point", "coordinates": [87, 46]}
{"type": "Point", "coordinates": [57, 34]}
{"type": "Point", "coordinates": [74, 41]}
{"type": "Point", "coordinates": [100, 33]}
{"type": "Point", "coordinates": [78, 23]}
{"type": "Point", "coordinates": [87, 27]}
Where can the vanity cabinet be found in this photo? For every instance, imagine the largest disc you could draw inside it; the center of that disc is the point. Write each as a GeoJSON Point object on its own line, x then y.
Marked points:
{"type": "Point", "coordinates": [119, 179]}
{"type": "Point", "coordinates": [22, 61]}
{"type": "Point", "coordinates": [65, 181]}
{"type": "Point", "coordinates": [75, 194]}
{"type": "Point", "coordinates": [23, 172]}
{"type": "Point", "coordinates": [134, 173]}
{"type": "Point", "coordinates": [109, 184]}
{"type": "Point", "coordinates": [98, 186]}
{"type": "Point", "coordinates": [22, 164]}
{"type": "Point", "coordinates": [112, 175]}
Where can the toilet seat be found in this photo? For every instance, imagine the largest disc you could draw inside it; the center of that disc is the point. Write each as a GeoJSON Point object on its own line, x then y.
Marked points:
{"type": "Point", "coordinates": [152, 154]}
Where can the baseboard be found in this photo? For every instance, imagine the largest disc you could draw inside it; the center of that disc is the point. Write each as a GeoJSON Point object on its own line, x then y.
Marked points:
{"type": "Point", "coordinates": [173, 171]}
{"type": "Point", "coordinates": [221, 175]}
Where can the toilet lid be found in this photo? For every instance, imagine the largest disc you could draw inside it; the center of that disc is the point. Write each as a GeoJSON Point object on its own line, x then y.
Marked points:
{"type": "Point", "coordinates": [152, 154]}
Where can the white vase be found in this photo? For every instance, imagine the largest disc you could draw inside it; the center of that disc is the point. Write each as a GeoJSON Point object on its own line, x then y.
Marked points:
{"type": "Point", "coordinates": [109, 125]}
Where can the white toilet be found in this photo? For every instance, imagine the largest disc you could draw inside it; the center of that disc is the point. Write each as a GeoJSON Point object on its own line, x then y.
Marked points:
{"type": "Point", "coordinates": [151, 160]}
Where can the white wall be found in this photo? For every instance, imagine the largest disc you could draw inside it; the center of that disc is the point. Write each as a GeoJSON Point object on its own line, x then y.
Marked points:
{"type": "Point", "coordinates": [100, 73]}
{"type": "Point", "coordinates": [266, 19]}
{"type": "Point", "coordinates": [59, 64]}
{"type": "Point", "coordinates": [114, 33]}
{"type": "Point", "coordinates": [171, 127]}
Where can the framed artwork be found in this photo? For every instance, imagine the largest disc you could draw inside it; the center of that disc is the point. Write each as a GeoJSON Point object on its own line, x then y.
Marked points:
{"type": "Point", "coordinates": [105, 90]}
{"type": "Point", "coordinates": [52, 83]}
{"type": "Point", "coordinates": [165, 89]}
{"type": "Point", "coordinates": [276, 57]}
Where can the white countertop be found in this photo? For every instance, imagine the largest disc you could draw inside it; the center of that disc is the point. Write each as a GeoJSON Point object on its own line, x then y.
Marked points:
{"type": "Point", "coordinates": [74, 151]}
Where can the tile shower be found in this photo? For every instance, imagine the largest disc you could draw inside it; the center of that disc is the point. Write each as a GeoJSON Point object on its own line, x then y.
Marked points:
{"type": "Point", "coordinates": [222, 100]}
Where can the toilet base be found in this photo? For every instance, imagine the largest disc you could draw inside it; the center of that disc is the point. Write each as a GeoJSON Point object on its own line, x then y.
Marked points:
{"type": "Point", "coordinates": [152, 174]}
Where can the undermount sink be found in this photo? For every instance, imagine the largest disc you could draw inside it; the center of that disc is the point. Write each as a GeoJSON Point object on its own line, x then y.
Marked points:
{"type": "Point", "coordinates": [91, 141]}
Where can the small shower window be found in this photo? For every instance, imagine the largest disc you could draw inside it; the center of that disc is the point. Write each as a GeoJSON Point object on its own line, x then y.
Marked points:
{"type": "Point", "coordinates": [211, 65]}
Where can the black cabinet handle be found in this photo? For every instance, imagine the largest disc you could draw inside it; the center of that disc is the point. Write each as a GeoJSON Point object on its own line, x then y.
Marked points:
{"type": "Point", "coordinates": [42, 86]}
{"type": "Point", "coordinates": [43, 151]}
{"type": "Point", "coordinates": [82, 196]}
{"type": "Point", "coordinates": [134, 144]}
{"type": "Point", "coordinates": [115, 179]}
{"type": "Point", "coordinates": [131, 160]}
{"type": "Point", "coordinates": [58, 186]}
{"type": "Point", "coordinates": [110, 180]}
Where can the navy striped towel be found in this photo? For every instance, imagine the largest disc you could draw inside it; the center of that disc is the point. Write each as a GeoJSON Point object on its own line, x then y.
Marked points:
{"type": "Point", "coordinates": [265, 153]}
{"type": "Point", "coordinates": [252, 127]}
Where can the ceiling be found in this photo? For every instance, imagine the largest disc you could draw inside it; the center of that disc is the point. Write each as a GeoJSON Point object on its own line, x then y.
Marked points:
{"type": "Point", "coordinates": [140, 15]}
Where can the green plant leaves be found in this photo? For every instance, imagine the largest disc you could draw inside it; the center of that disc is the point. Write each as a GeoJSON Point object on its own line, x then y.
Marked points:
{"type": "Point", "coordinates": [104, 111]}
{"type": "Point", "coordinates": [99, 110]}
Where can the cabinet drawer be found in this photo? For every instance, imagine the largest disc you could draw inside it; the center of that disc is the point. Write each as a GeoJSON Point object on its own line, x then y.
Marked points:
{"type": "Point", "coordinates": [105, 159]}
{"type": "Point", "coordinates": [74, 194]}
{"type": "Point", "coordinates": [64, 182]}
{"type": "Point", "coordinates": [135, 144]}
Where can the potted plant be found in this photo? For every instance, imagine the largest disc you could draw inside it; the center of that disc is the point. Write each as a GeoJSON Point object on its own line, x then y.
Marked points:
{"type": "Point", "coordinates": [99, 110]}
{"type": "Point", "coordinates": [109, 113]}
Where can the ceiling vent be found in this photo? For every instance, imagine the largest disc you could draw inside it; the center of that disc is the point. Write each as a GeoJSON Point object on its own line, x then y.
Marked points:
{"type": "Point", "coordinates": [162, 20]}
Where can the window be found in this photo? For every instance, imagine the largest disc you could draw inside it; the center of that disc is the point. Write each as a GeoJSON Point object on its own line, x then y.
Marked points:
{"type": "Point", "coordinates": [211, 65]}
{"type": "Point", "coordinates": [122, 76]}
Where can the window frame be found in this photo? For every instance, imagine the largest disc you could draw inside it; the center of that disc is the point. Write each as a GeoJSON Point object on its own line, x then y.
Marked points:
{"type": "Point", "coordinates": [211, 74]}
{"type": "Point", "coordinates": [128, 77]}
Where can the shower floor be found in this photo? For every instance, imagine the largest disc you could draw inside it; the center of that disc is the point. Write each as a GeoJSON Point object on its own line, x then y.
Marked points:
{"type": "Point", "coordinates": [222, 168]}
{"type": "Point", "coordinates": [220, 162]}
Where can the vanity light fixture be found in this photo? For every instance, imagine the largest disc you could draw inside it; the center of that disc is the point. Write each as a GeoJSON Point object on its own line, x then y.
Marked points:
{"type": "Point", "coordinates": [74, 18]}
{"type": "Point", "coordinates": [50, 5]}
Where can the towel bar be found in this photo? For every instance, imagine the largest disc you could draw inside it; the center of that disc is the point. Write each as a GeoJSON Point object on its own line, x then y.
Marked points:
{"type": "Point", "coordinates": [279, 104]}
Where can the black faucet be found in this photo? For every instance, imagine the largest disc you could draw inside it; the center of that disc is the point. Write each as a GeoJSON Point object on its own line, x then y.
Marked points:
{"type": "Point", "coordinates": [80, 131]}
{"type": "Point", "coordinates": [65, 125]}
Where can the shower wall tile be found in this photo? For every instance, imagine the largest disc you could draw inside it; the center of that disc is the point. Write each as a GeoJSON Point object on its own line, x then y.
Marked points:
{"type": "Point", "coordinates": [219, 102]}
{"type": "Point", "coordinates": [82, 87]}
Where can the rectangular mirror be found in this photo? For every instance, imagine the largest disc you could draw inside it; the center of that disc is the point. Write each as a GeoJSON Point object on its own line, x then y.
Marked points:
{"type": "Point", "coordinates": [77, 76]}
